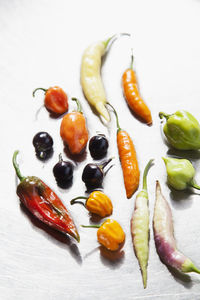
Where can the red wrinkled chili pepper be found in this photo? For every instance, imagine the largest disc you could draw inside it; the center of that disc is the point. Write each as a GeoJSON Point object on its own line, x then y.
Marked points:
{"type": "Point", "coordinates": [55, 100]}
{"type": "Point", "coordinates": [43, 203]}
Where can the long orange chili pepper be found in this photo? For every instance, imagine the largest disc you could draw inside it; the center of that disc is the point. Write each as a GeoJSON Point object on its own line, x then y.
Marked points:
{"type": "Point", "coordinates": [132, 95]}
{"type": "Point", "coordinates": [128, 158]}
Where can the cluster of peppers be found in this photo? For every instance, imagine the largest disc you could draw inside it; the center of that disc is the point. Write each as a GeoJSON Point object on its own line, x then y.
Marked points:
{"type": "Point", "coordinates": [182, 131]}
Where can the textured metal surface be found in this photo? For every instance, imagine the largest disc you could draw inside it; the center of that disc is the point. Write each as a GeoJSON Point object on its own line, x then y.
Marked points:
{"type": "Point", "coordinates": [41, 43]}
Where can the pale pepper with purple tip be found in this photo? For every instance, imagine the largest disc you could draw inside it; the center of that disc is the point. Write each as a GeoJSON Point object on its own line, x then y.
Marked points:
{"type": "Point", "coordinates": [164, 236]}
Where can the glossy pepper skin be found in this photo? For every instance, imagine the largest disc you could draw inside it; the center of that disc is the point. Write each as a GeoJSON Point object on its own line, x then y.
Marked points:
{"type": "Point", "coordinates": [97, 203]}
{"type": "Point", "coordinates": [110, 234]}
{"type": "Point", "coordinates": [91, 81]}
{"type": "Point", "coordinates": [140, 226]}
{"type": "Point", "coordinates": [56, 100]}
{"type": "Point", "coordinates": [164, 236]}
{"type": "Point", "coordinates": [132, 95]}
{"type": "Point", "coordinates": [182, 130]}
{"type": "Point", "coordinates": [128, 159]}
{"type": "Point", "coordinates": [180, 173]}
{"type": "Point", "coordinates": [73, 130]}
{"type": "Point", "coordinates": [44, 204]}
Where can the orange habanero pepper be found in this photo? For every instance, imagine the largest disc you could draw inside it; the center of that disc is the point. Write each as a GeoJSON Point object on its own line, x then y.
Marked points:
{"type": "Point", "coordinates": [110, 234]}
{"type": "Point", "coordinates": [128, 158]}
{"type": "Point", "coordinates": [132, 95]}
{"type": "Point", "coordinates": [73, 130]}
{"type": "Point", "coordinates": [55, 101]}
{"type": "Point", "coordinates": [97, 203]}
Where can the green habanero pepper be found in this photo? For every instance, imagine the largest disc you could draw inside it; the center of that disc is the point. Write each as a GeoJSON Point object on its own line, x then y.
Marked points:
{"type": "Point", "coordinates": [182, 130]}
{"type": "Point", "coordinates": [180, 173]}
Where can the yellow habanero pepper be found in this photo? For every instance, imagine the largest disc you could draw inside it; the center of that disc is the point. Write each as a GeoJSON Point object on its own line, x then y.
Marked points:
{"type": "Point", "coordinates": [91, 78]}
{"type": "Point", "coordinates": [110, 234]}
{"type": "Point", "coordinates": [97, 203]}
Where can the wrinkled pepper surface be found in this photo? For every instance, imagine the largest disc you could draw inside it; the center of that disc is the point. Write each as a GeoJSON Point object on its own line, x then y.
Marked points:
{"type": "Point", "coordinates": [97, 203]}
{"type": "Point", "coordinates": [110, 234]}
{"type": "Point", "coordinates": [180, 173]}
{"type": "Point", "coordinates": [43, 203]}
{"type": "Point", "coordinates": [182, 130]}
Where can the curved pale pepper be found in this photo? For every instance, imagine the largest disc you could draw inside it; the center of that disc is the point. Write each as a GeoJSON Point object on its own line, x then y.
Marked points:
{"type": "Point", "coordinates": [164, 236]}
{"type": "Point", "coordinates": [110, 234]}
{"type": "Point", "coordinates": [140, 226]}
{"type": "Point", "coordinates": [182, 130]}
{"type": "Point", "coordinates": [97, 203]}
{"type": "Point", "coordinates": [91, 76]}
{"type": "Point", "coordinates": [180, 173]}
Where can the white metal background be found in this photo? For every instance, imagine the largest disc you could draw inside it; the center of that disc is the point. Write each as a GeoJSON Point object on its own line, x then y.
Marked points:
{"type": "Point", "coordinates": [41, 44]}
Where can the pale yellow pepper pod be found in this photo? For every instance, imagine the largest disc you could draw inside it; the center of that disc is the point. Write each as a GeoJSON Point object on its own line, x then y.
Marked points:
{"type": "Point", "coordinates": [97, 203]}
{"type": "Point", "coordinates": [90, 76]}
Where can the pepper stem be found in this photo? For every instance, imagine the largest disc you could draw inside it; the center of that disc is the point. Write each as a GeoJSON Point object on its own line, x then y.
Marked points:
{"type": "Point", "coordinates": [60, 157]}
{"type": "Point", "coordinates": [194, 185]}
{"type": "Point", "coordinates": [116, 115]}
{"type": "Point", "coordinates": [79, 108]}
{"type": "Point", "coordinates": [132, 59]}
{"type": "Point", "coordinates": [195, 269]}
{"type": "Point", "coordinates": [104, 164]}
{"type": "Point", "coordinates": [73, 201]}
{"type": "Point", "coordinates": [16, 166]}
{"type": "Point", "coordinates": [162, 114]}
{"type": "Point", "coordinates": [145, 174]}
{"type": "Point", "coordinates": [45, 90]}
{"type": "Point", "coordinates": [115, 36]}
{"type": "Point", "coordinates": [91, 226]}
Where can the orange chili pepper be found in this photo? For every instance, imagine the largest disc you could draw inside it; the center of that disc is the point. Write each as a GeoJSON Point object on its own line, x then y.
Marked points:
{"type": "Point", "coordinates": [128, 158]}
{"type": "Point", "coordinates": [110, 234]}
{"type": "Point", "coordinates": [97, 203]}
{"type": "Point", "coordinates": [132, 95]}
{"type": "Point", "coordinates": [73, 130]}
{"type": "Point", "coordinates": [55, 101]}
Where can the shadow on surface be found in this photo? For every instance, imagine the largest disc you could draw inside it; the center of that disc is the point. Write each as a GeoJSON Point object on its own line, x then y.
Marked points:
{"type": "Point", "coordinates": [180, 199]}
{"type": "Point", "coordinates": [75, 157]}
{"type": "Point", "coordinates": [56, 237]}
{"type": "Point", "coordinates": [111, 259]}
{"type": "Point", "coordinates": [187, 154]}
{"type": "Point", "coordinates": [181, 278]}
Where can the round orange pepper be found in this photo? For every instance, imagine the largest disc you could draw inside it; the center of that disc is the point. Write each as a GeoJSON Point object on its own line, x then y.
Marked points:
{"type": "Point", "coordinates": [55, 101]}
{"type": "Point", "coordinates": [110, 234]}
{"type": "Point", "coordinates": [97, 203]}
{"type": "Point", "coordinates": [73, 130]}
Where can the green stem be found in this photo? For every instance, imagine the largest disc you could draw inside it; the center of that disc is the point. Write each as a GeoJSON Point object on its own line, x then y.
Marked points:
{"type": "Point", "coordinates": [73, 201]}
{"type": "Point", "coordinates": [79, 108]}
{"type": "Point", "coordinates": [16, 166]}
{"type": "Point", "coordinates": [45, 90]}
{"type": "Point", "coordinates": [194, 185]}
{"type": "Point", "coordinates": [162, 114]}
{"type": "Point", "coordinates": [145, 174]}
{"type": "Point", "coordinates": [116, 115]}
{"type": "Point", "coordinates": [115, 36]}
{"type": "Point", "coordinates": [104, 164]}
{"type": "Point", "coordinates": [195, 269]}
{"type": "Point", "coordinates": [132, 59]}
{"type": "Point", "coordinates": [91, 226]}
